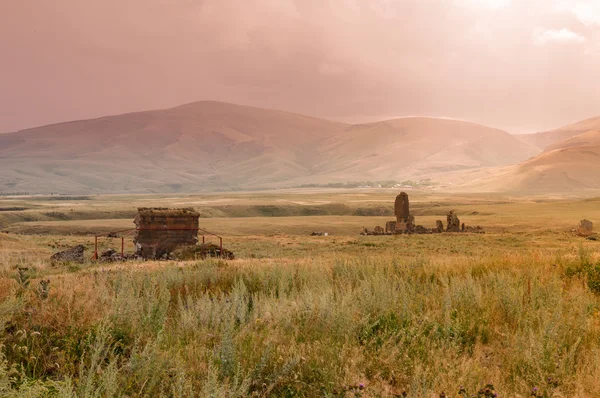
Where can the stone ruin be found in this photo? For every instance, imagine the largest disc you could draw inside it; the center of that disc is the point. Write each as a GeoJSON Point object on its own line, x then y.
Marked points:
{"type": "Point", "coordinates": [390, 227]}
{"type": "Point", "coordinates": [405, 222]}
{"type": "Point", "coordinates": [402, 211]}
{"type": "Point", "coordinates": [162, 231]}
{"type": "Point", "coordinates": [439, 226]}
{"type": "Point", "coordinates": [585, 228]}
{"type": "Point", "coordinates": [72, 255]}
{"type": "Point", "coordinates": [453, 223]}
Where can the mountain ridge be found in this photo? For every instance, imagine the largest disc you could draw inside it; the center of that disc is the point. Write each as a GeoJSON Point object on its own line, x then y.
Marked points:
{"type": "Point", "coordinates": [209, 145]}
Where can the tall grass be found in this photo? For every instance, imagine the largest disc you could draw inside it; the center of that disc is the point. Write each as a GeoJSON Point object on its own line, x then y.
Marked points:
{"type": "Point", "coordinates": [372, 326]}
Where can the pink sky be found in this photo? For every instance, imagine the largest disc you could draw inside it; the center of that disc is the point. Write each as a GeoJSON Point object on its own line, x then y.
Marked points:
{"type": "Point", "coordinates": [522, 65]}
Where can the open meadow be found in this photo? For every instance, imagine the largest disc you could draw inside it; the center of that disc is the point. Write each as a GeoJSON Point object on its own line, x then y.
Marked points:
{"type": "Point", "coordinates": [295, 315]}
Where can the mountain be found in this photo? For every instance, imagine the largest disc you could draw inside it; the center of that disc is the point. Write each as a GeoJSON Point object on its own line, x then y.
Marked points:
{"type": "Point", "coordinates": [418, 147]}
{"type": "Point", "coordinates": [544, 139]}
{"type": "Point", "coordinates": [212, 145]}
{"type": "Point", "coordinates": [567, 166]}
{"type": "Point", "coordinates": [198, 145]}
{"type": "Point", "coordinates": [587, 139]}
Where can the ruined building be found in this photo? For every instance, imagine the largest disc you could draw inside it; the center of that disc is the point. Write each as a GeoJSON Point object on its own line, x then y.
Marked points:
{"type": "Point", "coordinates": [405, 222]}
{"type": "Point", "coordinates": [401, 207]}
{"type": "Point", "coordinates": [160, 231]}
{"type": "Point", "coordinates": [453, 222]}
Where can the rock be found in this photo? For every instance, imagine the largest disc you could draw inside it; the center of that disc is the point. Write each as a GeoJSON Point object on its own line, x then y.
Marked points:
{"type": "Point", "coordinates": [410, 223]}
{"type": "Point", "coordinates": [585, 228]}
{"type": "Point", "coordinates": [212, 250]}
{"type": "Point", "coordinates": [439, 226]}
{"type": "Point", "coordinates": [390, 227]}
{"type": "Point", "coordinates": [108, 253]}
{"type": "Point", "coordinates": [453, 222]}
{"type": "Point", "coordinates": [72, 255]}
{"type": "Point", "coordinates": [111, 255]}
{"type": "Point", "coordinates": [419, 229]}
{"type": "Point", "coordinates": [474, 230]}
{"type": "Point", "coordinates": [201, 251]}
{"type": "Point", "coordinates": [400, 228]}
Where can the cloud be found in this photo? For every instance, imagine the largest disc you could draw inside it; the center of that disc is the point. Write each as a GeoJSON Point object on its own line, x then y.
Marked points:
{"type": "Point", "coordinates": [481, 60]}
{"type": "Point", "coordinates": [586, 11]}
{"type": "Point", "coordinates": [563, 35]}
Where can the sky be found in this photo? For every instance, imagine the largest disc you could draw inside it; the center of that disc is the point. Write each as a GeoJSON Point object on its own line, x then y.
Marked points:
{"type": "Point", "coordinates": [520, 65]}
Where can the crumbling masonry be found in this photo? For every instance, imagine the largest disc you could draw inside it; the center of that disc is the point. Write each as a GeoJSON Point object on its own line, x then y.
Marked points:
{"type": "Point", "coordinates": [405, 222]}
{"type": "Point", "coordinates": [161, 231]}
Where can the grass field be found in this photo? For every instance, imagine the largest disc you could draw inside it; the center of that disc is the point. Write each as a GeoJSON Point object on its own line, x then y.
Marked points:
{"type": "Point", "coordinates": [342, 315]}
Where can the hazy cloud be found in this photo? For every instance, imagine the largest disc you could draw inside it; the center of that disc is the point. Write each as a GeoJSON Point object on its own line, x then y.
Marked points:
{"type": "Point", "coordinates": [563, 35]}
{"type": "Point", "coordinates": [345, 59]}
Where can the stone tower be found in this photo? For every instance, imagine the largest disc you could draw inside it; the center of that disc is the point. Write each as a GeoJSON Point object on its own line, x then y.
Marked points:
{"type": "Point", "coordinates": [401, 208]}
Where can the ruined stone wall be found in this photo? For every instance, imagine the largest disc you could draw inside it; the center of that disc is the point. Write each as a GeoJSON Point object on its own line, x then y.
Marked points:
{"type": "Point", "coordinates": [161, 231]}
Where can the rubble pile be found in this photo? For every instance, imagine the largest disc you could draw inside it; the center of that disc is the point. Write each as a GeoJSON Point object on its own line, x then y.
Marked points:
{"type": "Point", "coordinates": [111, 256]}
{"type": "Point", "coordinates": [211, 250]}
{"type": "Point", "coordinates": [201, 251]}
{"type": "Point", "coordinates": [72, 255]}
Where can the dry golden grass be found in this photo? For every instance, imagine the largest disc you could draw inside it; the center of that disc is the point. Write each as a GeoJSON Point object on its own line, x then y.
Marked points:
{"type": "Point", "coordinates": [296, 315]}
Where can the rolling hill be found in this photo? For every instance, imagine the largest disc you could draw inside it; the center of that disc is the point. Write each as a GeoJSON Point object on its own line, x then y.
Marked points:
{"type": "Point", "coordinates": [544, 139]}
{"type": "Point", "coordinates": [218, 146]}
{"type": "Point", "coordinates": [572, 165]}
{"type": "Point", "coordinates": [418, 147]}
